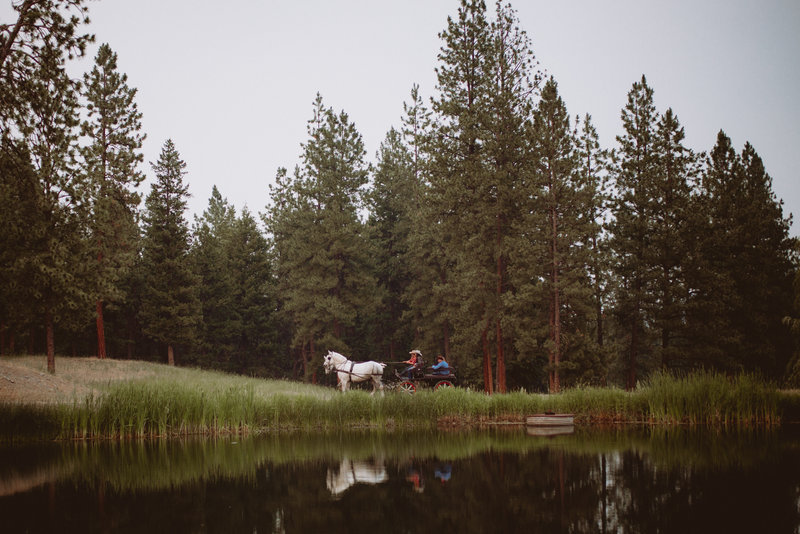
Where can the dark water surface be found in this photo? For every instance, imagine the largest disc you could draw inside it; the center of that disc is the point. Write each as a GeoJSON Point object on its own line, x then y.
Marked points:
{"type": "Point", "coordinates": [619, 480]}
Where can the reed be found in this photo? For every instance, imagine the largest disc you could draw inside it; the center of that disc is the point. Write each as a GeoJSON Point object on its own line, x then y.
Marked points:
{"type": "Point", "coordinates": [197, 402]}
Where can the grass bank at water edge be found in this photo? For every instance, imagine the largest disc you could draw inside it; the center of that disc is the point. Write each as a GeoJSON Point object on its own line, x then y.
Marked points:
{"type": "Point", "coordinates": [216, 404]}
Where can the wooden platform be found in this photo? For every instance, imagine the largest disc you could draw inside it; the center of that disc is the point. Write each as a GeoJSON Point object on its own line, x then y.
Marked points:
{"type": "Point", "coordinates": [549, 431]}
{"type": "Point", "coordinates": [550, 419]}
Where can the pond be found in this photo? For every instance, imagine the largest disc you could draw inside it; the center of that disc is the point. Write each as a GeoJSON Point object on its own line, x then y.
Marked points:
{"type": "Point", "coordinates": [503, 480]}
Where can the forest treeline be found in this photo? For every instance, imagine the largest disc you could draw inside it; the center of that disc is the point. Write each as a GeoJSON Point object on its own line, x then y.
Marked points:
{"type": "Point", "coordinates": [491, 227]}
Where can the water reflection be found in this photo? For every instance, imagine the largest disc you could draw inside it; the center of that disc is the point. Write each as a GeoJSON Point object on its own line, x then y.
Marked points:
{"type": "Point", "coordinates": [351, 472]}
{"type": "Point", "coordinates": [640, 480]}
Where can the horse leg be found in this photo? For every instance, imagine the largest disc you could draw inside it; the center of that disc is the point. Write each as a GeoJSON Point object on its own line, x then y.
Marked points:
{"type": "Point", "coordinates": [377, 385]}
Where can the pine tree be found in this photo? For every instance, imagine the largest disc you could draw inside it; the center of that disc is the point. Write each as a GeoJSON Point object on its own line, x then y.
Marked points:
{"type": "Point", "coordinates": [38, 116]}
{"type": "Point", "coordinates": [713, 289]}
{"type": "Point", "coordinates": [426, 298]}
{"type": "Point", "coordinates": [769, 261]}
{"type": "Point", "coordinates": [323, 260]}
{"type": "Point", "coordinates": [170, 311]}
{"type": "Point", "coordinates": [633, 211]}
{"type": "Point", "coordinates": [477, 160]}
{"type": "Point", "coordinates": [254, 292]}
{"type": "Point", "coordinates": [670, 237]}
{"type": "Point", "coordinates": [556, 226]}
{"type": "Point", "coordinates": [221, 318]}
{"type": "Point", "coordinates": [748, 263]}
{"type": "Point", "coordinates": [593, 166]}
{"type": "Point", "coordinates": [391, 202]}
{"type": "Point", "coordinates": [110, 163]}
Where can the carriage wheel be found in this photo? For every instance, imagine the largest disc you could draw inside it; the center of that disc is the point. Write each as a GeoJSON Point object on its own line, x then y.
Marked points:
{"type": "Point", "coordinates": [407, 387]}
{"type": "Point", "coordinates": [442, 384]}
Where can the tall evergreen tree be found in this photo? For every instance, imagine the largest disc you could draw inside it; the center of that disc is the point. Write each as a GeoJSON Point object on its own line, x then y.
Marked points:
{"type": "Point", "coordinates": [110, 162]}
{"type": "Point", "coordinates": [670, 237]}
{"type": "Point", "coordinates": [323, 260]}
{"type": "Point", "coordinates": [485, 86]}
{"type": "Point", "coordinates": [221, 318]}
{"type": "Point", "coordinates": [427, 301]}
{"type": "Point", "coordinates": [714, 293]}
{"type": "Point", "coordinates": [37, 129]}
{"type": "Point", "coordinates": [170, 311]}
{"type": "Point", "coordinates": [635, 176]}
{"type": "Point", "coordinates": [593, 166]}
{"type": "Point", "coordinates": [748, 249]}
{"type": "Point", "coordinates": [391, 201]}
{"type": "Point", "coordinates": [556, 226]}
{"type": "Point", "coordinates": [254, 292]}
{"type": "Point", "coordinates": [55, 264]}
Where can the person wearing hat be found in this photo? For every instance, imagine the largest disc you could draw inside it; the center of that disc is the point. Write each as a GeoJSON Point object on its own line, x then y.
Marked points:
{"type": "Point", "coordinates": [441, 367]}
{"type": "Point", "coordinates": [413, 362]}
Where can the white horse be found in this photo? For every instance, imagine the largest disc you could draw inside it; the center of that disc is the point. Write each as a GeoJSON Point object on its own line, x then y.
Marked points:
{"type": "Point", "coordinates": [348, 371]}
{"type": "Point", "coordinates": [352, 472]}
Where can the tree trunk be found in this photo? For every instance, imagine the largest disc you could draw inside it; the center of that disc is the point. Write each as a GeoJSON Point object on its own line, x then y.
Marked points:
{"type": "Point", "coordinates": [311, 359]}
{"type": "Point", "coordinates": [598, 296]}
{"type": "Point", "coordinates": [101, 335]}
{"type": "Point", "coordinates": [170, 355]}
{"type": "Point", "coordinates": [51, 346]}
{"type": "Point", "coordinates": [556, 325]}
{"type": "Point", "coordinates": [446, 334]}
{"type": "Point", "coordinates": [501, 359]}
{"type": "Point", "coordinates": [551, 352]}
{"type": "Point", "coordinates": [633, 355]}
{"type": "Point", "coordinates": [488, 382]}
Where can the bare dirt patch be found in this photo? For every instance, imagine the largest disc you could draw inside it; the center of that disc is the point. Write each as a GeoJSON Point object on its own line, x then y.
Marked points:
{"type": "Point", "coordinates": [25, 379]}
{"type": "Point", "coordinates": [19, 383]}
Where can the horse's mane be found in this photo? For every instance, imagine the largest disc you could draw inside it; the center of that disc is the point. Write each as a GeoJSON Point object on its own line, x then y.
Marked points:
{"type": "Point", "coordinates": [335, 354]}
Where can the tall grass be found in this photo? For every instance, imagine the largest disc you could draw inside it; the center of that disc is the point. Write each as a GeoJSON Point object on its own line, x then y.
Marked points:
{"type": "Point", "coordinates": [209, 403]}
{"type": "Point", "coordinates": [711, 398]}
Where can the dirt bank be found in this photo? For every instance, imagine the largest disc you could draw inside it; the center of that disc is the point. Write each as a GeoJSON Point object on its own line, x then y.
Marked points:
{"type": "Point", "coordinates": [25, 378]}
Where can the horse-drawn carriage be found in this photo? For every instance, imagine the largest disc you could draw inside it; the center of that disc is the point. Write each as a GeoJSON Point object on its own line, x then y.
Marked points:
{"type": "Point", "coordinates": [348, 372]}
{"type": "Point", "coordinates": [419, 376]}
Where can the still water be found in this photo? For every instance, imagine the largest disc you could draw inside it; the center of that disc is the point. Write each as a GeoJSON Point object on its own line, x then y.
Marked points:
{"type": "Point", "coordinates": [637, 480]}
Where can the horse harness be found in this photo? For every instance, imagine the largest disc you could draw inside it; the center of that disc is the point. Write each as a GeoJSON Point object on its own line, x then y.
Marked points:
{"type": "Point", "coordinates": [351, 373]}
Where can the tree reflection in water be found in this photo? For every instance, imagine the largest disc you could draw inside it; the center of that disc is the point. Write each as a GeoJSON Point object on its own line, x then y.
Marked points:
{"type": "Point", "coordinates": [592, 481]}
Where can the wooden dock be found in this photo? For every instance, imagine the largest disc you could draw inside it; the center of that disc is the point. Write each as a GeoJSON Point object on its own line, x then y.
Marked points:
{"type": "Point", "coordinates": [550, 420]}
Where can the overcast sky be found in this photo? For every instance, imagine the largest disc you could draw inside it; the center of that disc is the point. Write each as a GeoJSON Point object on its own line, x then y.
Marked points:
{"type": "Point", "coordinates": [232, 83]}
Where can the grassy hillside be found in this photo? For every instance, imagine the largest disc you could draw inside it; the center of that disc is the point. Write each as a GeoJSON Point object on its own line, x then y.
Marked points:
{"type": "Point", "coordinates": [112, 398]}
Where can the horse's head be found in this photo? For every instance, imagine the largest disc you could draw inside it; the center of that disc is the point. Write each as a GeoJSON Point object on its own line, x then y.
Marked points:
{"type": "Point", "coordinates": [329, 362]}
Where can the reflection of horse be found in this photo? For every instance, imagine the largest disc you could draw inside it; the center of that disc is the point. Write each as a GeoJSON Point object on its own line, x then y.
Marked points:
{"type": "Point", "coordinates": [348, 371]}
{"type": "Point", "coordinates": [354, 472]}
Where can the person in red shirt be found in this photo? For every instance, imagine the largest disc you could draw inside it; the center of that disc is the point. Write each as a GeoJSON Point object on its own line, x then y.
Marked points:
{"type": "Point", "coordinates": [414, 361]}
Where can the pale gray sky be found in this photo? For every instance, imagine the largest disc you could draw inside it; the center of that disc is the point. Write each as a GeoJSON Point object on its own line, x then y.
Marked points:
{"type": "Point", "coordinates": [232, 83]}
